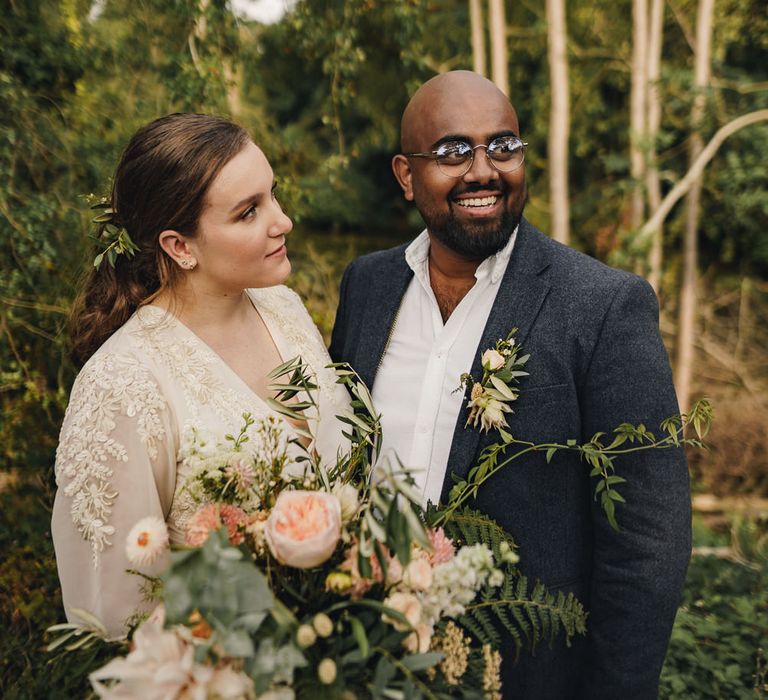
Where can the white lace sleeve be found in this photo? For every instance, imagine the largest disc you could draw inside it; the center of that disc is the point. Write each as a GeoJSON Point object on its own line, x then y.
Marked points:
{"type": "Point", "coordinates": [115, 464]}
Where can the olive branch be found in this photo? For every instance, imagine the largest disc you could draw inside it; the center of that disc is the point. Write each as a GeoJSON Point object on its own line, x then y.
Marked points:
{"type": "Point", "coordinates": [113, 238]}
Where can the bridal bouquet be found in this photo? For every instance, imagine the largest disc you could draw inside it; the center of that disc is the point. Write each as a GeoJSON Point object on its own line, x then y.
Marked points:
{"type": "Point", "coordinates": [306, 580]}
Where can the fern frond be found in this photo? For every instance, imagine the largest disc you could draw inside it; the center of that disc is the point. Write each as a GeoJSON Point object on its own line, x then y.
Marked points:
{"type": "Point", "coordinates": [468, 526]}
{"type": "Point", "coordinates": [528, 616]}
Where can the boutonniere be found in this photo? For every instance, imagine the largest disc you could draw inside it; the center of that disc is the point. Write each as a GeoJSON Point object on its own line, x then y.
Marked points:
{"type": "Point", "coordinates": [490, 398]}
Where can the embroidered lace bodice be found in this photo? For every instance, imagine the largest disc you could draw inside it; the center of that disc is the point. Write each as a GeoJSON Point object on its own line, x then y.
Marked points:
{"type": "Point", "coordinates": [119, 458]}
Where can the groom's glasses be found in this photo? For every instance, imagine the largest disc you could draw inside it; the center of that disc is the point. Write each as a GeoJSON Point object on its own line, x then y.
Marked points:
{"type": "Point", "coordinates": [455, 158]}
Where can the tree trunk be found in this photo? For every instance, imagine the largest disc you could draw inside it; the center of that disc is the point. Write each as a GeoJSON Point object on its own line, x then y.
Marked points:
{"type": "Point", "coordinates": [476, 30]}
{"type": "Point", "coordinates": [652, 180]}
{"type": "Point", "coordinates": [637, 113]}
{"type": "Point", "coordinates": [499, 60]}
{"type": "Point", "coordinates": [559, 122]}
{"type": "Point", "coordinates": [231, 75]}
{"type": "Point", "coordinates": [687, 314]}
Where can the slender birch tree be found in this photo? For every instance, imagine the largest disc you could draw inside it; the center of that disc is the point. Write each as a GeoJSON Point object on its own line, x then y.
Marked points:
{"type": "Point", "coordinates": [559, 121]}
{"type": "Point", "coordinates": [653, 103]}
{"type": "Point", "coordinates": [230, 74]}
{"type": "Point", "coordinates": [637, 116]}
{"type": "Point", "coordinates": [687, 312]}
{"type": "Point", "coordinates": [499, 56]}
{"type": "Point", "coordinates": [478, 38]}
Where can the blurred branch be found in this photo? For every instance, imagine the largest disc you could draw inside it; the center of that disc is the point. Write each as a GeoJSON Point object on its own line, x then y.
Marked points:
{"type": "Point", "coordinates": [738, 86]}
{"type": "Point", "coordinates": [12, 345]}
{"type": "Point", "coordinates": [684, 25]}
{"type": "Point", "coordinates": [34, 305]}
{"type": "Point", "coordinates": [747, 505]}
{"type": "Point", "coordinates": [723, 356]}
{"type": "Point", "coordinates": [695, 171]}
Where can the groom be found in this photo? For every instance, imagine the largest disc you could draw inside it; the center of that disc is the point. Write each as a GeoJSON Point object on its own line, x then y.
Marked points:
{"type": "Point", "coordinates": [412, 319]}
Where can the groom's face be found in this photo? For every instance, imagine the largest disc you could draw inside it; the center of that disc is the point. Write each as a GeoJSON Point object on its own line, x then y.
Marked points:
{"type": "Point", "coordinates": [475, 214]}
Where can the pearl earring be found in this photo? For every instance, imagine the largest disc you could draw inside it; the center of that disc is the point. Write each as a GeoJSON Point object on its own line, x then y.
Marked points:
{"type": "Point", "coordinates": [188, 263]}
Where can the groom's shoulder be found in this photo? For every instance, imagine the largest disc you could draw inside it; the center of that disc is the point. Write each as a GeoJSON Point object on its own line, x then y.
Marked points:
{"type": "Point", "coordinates": [575, 269]}
{"type": "Point", "coordinates": [379, 261]}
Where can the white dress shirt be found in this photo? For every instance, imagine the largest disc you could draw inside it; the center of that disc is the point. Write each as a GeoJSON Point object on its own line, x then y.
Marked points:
{"type": "Point", "coordinates": [416, 386]}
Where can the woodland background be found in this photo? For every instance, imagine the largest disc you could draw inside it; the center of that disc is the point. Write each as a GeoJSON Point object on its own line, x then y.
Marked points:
{"type": "Point", "coordinates": [617, 99]}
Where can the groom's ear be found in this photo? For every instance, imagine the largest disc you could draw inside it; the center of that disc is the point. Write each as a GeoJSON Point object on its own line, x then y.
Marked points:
{"type": "Point", "coordinates": [402, 170]}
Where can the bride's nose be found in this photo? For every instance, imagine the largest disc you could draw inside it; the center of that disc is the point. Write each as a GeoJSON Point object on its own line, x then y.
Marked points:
{"type": "Point", "coordinates": [282, 225]}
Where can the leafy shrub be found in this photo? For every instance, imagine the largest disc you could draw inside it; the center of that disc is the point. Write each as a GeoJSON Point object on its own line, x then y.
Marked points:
{"type": "Point", "coordinates": [721, 624]}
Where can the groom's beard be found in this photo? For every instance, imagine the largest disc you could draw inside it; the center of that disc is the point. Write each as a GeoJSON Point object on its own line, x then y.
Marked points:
{"type": "Point", "coordinates": [473, 241]}
{"type": "Point", "coordinates": [480, 240]}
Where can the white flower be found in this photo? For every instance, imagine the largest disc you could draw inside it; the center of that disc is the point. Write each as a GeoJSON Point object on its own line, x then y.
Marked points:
{"type": "Point", "coordinates": [147, 541]}
{"type": "Point", "coordinates": [418, 575]}
{"type": "Point", "coordinates": [240, 472]}
{"type": "Point", "coordinates": [161, 665]}
{"type": "Point", "coordinates": [349, 498]}
{"type": "Point", "coordinates": [492, 415]}
{"type": "Point", "coordinates": [507, 554]}
{"type": "Point", "coordinates": [408, 605]}
{"type": "Point", "coordinates": [228, 684]}
{"type": "Point", "coordinates": [496, 578]}
{"type": "Point", "coordinates": [486, 410]}
{"type": "Point", "coordinates": [456, 582]}
{"type": "Point", "coordinates": [419, 640]}
{"type": "Point", "coordinates": [492, 360]}
{"type": "Point", "coordinates": [281, 693]}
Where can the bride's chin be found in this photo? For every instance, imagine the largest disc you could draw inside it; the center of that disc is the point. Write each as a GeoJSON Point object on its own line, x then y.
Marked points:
{"type": "Point", "coordinates": [277, 276]}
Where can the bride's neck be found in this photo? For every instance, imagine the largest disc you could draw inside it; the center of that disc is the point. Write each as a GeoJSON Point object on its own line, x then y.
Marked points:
{"type": "Point", "coordinates": [199, 310]}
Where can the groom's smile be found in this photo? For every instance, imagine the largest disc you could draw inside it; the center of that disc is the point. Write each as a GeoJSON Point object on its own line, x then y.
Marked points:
{"type": "Point", "coordinates": [478, 202]}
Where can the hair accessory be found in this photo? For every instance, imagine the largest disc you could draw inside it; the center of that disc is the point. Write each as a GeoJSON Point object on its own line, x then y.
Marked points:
{"type": "Point", "coordinates": [188, 263]}
{"type": "Point", "coordinates": [112, 237]}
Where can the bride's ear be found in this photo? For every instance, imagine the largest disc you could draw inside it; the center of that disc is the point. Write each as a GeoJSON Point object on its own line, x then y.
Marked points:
{"type": "Point", "coordinates": [402, 170]}
{"type": "Point", "coordinates": [178, 249]}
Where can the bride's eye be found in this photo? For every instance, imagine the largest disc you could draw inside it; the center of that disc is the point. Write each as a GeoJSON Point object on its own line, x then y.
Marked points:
{"type": "Point", "coordinates": [249, 213]}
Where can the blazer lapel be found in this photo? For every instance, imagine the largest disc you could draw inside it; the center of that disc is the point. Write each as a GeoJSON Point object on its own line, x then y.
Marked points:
{"type": "Point", "coordinates": [388, 286]}
{"type": "Point", "coordinates": [517, 303]}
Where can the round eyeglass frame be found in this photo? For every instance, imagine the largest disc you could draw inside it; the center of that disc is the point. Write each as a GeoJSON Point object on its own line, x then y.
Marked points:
{"type": "Point", "coordinates": [436, 155]}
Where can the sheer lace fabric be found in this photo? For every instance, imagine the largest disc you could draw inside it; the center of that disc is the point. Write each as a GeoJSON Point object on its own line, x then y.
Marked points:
{"type": "Point", "coordinates": [118, 458]}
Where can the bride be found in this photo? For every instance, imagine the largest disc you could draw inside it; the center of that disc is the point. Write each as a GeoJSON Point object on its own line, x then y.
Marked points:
{"type": "Point", "coordinates": [182, 333]}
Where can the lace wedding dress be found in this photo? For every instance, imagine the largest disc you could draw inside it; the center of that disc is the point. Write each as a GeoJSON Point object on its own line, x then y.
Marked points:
{"type": "Point", "coordinates": [119, 460]}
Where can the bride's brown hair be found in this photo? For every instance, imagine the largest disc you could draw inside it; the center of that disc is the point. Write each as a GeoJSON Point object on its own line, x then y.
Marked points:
{"type": "Point", "coordinates": [159, 184]}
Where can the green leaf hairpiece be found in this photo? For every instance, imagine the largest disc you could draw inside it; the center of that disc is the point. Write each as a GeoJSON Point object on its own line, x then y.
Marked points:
{"type": "Point", "coordinates": [112, 237]}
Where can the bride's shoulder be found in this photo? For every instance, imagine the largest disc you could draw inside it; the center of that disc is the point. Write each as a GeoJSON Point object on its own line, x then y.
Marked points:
{"type": "Point", "coordinates": [124, 354]}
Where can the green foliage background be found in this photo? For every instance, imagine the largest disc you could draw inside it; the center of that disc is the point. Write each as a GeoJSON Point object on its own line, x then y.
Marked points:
{"type": "Point", "coordinates": [322, 92]}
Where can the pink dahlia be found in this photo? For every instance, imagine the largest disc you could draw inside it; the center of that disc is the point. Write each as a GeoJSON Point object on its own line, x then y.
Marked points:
{"type": "Point", "coordinates": [211, 517]}
{"type": "Point", "coordinates": [442, 547]}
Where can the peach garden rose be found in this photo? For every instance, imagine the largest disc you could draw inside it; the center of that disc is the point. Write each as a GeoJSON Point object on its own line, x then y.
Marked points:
{"type": "Point", "coordinates": [304, 528]}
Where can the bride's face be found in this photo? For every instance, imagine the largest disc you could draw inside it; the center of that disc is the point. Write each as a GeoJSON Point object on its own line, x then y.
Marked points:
{"type": "Point", "coordinates": [242, 230]}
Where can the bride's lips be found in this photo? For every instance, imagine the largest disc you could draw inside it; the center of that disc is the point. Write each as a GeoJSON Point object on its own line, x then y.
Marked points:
{"type": "Point", "coordinates": [280, 252]}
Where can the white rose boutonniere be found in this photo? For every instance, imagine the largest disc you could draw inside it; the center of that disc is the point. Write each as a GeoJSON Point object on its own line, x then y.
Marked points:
{"type": "Point", "coordinates": [490, 398]}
